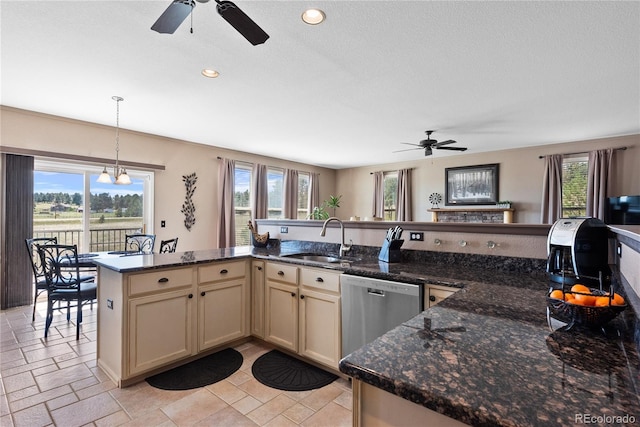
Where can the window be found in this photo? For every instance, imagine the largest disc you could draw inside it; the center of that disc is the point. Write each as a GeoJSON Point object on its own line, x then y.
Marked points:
{"type": "Point", "coordinates": [574, 186]}
{"type": "Point", "coordinates": [275, 184]}
{"type": "Point", "coordinates": [242, 202]}
{"type": "Point", "coordinates": [70, 205]}
{"type": "Point", "coordinates": [390, 195]}
{"type": "Point", "coordinates": [303, 195]}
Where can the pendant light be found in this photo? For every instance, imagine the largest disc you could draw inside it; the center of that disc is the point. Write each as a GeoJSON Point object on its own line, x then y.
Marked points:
{"type": "Point", "coordinates": [119, 173]}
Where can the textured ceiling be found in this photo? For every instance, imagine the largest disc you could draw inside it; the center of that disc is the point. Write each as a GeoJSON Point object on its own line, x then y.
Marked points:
{"type": "Point", "coordinates": [491, 75]}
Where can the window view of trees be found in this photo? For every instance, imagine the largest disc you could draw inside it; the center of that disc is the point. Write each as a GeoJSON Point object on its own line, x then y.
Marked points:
{"type": "Point", "coordinates": [390, 195]}
{"type": "Point", "coordinates": [574, 187]}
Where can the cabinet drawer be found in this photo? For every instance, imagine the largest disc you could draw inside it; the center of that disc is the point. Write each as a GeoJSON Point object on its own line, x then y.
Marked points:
{"type": "Point", "coordinates": [283, 273]}
{"type": "Point", "coordinates": [221, 271]}
{"type": "Point", "coordinates": [320, 279]}
{"type": "Point", "coordinates": [159, 281]}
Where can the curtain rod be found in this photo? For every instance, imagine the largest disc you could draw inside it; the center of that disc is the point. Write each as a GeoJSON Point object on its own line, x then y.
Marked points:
{"type": "Point", "coordinates": [584, 152]}
{"type": "Point", "coordinates": [371, 173]}
{"type": "Point", "coordinates": [220, 158]}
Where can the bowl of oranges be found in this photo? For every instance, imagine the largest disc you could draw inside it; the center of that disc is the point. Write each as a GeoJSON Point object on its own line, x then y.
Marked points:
{"type": "Point", "coordinates": [585, 306]}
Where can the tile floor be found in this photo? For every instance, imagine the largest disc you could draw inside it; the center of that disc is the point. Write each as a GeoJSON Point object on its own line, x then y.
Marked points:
{"type": "Point", "coordinates": [57, 382]}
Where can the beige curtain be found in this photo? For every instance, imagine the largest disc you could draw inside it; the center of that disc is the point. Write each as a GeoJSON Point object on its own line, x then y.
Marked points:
{"type": "Point", "coordinates": [598, 183]}
{"type": "Point", "coordinates": [404, 208]}
{"type": "Point", "coordinates": [226, 214]}
{"type": "Point", "coordinates": [378, 194]}
{"type": "Point", "coordinates": [314, 191]}
{"type": "Point", "coordinates": [552, 189]}
{"type": "Point", "coordinates": [260, 193]}
{"type": "Point", "coordinates": [290, 194]}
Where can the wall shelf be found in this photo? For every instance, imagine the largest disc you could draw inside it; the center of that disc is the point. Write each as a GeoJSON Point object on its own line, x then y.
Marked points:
{"type": "Point", "coordinates": [507, 213]}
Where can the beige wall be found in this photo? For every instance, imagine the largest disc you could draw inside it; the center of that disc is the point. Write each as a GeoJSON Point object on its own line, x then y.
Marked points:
{"type": "Point", "coordinates": [34, 131]}
{"type": "Point", "coordinates": [521, 174]}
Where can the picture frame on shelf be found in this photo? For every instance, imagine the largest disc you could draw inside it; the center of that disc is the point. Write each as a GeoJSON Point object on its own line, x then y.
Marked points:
{"type": "Point", "coordinates": [472, 185]}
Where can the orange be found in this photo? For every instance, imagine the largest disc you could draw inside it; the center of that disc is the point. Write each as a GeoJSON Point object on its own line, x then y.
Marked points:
{"type": "Point", "coordinates": [617, 299]}
{"type": "Point", "coordinates": [569, 298]}
{"type": "Point", "coordinates": [585, 299]}
{"type": "Point", "coordinates": [602, 302]}
{"type": "Point", "coordinates": [580, 288]}
{"type": "Point", "coordinates": [557, 294]}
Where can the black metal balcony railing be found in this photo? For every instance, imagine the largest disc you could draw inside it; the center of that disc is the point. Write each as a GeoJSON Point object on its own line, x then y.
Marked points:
{"type": "Point", "coordinates": [102, 240]}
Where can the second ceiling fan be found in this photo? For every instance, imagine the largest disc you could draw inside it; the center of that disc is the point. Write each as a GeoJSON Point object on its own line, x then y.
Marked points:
{"type": "Point", "coordinates": [429, 144]}
{"type": "Point", "coordinates": [178, 10]}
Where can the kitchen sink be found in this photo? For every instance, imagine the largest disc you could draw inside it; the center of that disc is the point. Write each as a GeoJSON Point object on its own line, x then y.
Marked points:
{"type": "Point", "coordinates": [314, 257]}
{"type": "Point", "coordinates": [321, 258]}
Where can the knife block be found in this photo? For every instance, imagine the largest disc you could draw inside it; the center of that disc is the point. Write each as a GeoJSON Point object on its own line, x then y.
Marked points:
{"type": "Point", "coordinates": [390, 251]}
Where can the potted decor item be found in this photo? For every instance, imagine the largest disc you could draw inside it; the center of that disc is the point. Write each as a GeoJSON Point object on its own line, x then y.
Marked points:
{"type": "Point", "coordinates": [505, 204]}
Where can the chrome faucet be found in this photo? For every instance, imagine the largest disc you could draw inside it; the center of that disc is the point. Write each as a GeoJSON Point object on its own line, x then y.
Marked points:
{"type": "Point", "coordinates": [344, 248]}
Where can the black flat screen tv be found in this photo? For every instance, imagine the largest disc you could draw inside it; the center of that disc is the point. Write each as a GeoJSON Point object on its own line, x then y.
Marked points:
{"type": "Point", "coordinates": [623, 210]}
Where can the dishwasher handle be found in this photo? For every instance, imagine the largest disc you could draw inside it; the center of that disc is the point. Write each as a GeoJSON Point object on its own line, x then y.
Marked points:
{"type": "Point", "coordinates": [376, 292]}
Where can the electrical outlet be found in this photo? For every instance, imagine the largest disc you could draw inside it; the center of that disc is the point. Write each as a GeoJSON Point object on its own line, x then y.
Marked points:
{"type": "Point", "coordinates": [417, 236]}
{"type": "Point", "coordinates": [284, 230]}
{"type": "Point", "coordinates": [110, 304]}
{"type": "Point", "coordinates": [163, 223]}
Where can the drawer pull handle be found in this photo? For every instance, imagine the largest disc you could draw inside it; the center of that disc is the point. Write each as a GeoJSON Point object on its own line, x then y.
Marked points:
{"type": "Point", "coordinates": [224, 271]}
{"type": "Point", "coordinates": [203, 293]}
{"type": "Point", "coordinates": [319, 279]}
{"type": "Point", "coordinates": [190, 296]}
{"type": "Point", "coordinates": [432, 298]}
{"type": "Point", "coordinates": [293, 294]}
{"type": "Point", "coordinates": [163, 280]}
{"type": "Point", "coordinates": [280, 273]}
{"type": "Point", "coordinates": [259, 268]}
{"type": "Point", "coordinates": [301, 296]}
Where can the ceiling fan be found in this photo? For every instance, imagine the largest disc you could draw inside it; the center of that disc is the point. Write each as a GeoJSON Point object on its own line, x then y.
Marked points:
{"type": "Point", "coordinates": [178, 10]}
{"type": "Point", "coordinates": [429, 144]}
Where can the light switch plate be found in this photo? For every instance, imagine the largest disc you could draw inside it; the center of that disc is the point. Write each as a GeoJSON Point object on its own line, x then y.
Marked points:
{"type": "Point", "coordinates": [284, 230]}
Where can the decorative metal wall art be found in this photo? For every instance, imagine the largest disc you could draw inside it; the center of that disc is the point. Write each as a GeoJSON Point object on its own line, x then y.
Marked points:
{"type": "Point", "coordinates": [188, 208]}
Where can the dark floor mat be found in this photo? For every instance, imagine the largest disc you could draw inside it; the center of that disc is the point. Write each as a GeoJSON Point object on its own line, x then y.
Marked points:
{"type": "Point", "coordinates": [199, 373]}
{"type": "Point", "coordinates": [278, 370]}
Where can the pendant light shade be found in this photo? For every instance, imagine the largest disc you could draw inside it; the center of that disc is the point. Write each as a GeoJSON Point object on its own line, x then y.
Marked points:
{"type": "Point", "coordinates": [120, 176]}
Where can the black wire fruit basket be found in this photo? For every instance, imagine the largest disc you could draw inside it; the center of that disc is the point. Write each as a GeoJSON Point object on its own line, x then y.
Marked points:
{"type": "Point", "coordinates": [586, 315]}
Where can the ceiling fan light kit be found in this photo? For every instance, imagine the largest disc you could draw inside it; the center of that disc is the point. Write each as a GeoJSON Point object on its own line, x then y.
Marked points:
{"type": "Point", "coordinates": [178, 11]}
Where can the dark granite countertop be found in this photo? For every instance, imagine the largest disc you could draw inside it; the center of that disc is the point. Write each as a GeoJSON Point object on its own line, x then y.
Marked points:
{"type": "Point", "coordinates": [486, 355]}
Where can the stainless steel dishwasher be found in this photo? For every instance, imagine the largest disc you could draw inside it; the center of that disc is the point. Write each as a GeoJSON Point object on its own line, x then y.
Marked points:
{"type": "Point", "coordinates": [372, 307]}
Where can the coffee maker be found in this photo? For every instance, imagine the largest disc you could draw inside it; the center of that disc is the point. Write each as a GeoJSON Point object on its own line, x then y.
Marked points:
{"type": "Point", "coordinates": [577, 250]}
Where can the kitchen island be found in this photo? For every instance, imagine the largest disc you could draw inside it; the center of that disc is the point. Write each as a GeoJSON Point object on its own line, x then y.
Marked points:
{"type": "Point", "coordinates": [484, 356]}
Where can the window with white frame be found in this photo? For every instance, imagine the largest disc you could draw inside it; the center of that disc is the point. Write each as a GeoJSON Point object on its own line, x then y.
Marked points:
{"type": "Point", "coordinates": [242, 202]}
{"type": "Point", "coordinates": [303, 195]}
{"type": "Point", "coordinates": [69, 204]}
{"type": "Point", "coordinates": [390, 195]}
{"type": "Point", "coordinates": [275, 185]}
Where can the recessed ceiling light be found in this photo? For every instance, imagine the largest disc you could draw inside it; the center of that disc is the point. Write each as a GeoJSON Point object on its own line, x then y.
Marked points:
{"type": "Point", "coordinates": [313, 16]}
{"type": "Point", "coordinates": [212, 74]}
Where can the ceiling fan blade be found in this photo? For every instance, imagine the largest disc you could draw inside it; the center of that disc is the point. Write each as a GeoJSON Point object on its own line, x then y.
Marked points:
{"type": "Point", "coordinates": [453, 148]}
{"type": "Point", "coordinates": [241, 22]}
{"type": "Point", "coordinates": [408, 149]}
{"type": "Point", "coordinates": [447, 142]}
{"type": "Point", "coordinates": [171, 18]}
{"type": "Point", "coordinates": [408, 143]}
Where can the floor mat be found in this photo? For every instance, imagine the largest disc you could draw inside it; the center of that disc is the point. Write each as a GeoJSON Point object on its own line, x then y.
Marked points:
{"type": "Point", "coordinates": [199, 373]}
{"type": "Point", "coordinates": [278, 370]}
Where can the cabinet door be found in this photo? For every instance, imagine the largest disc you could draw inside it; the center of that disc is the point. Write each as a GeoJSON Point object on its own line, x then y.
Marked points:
{"type": "Point", "coordinates": [160, 328]}
{"type": "Point", "coordinates": [257, 298]}
{"type": "Point", "coordinates": [281, 315]}
{"type": "Point", "coordinates": [436, 295]}
{"type": "Point", "coordinates": [222, 315]}
{"type": "Point", "coordinates": [320, 327]}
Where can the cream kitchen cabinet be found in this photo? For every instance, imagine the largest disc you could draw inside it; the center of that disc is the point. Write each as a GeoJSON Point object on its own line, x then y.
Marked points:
{"type": "Point", "coordinates": [156, 339]}
{"type": "Point", "coordinates": [319, 336]}
{"type": "Point", "coordinates": [223, 298]}
{"type": "Point", "coordinates": [258, 274]}
{"type": "Point", "coordinates": [434, 294]}
{"type": "Point", "coordinates": [281, 305]}
{"type": "Point", "coordinates": [302, 311]}
{"type": "Point", "coordinates": [154, 318]}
